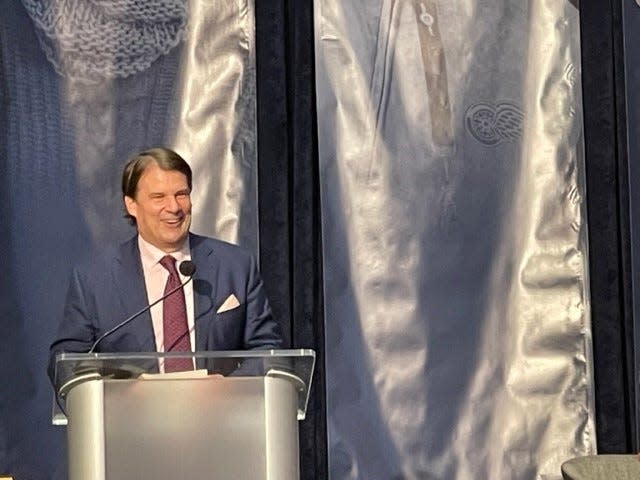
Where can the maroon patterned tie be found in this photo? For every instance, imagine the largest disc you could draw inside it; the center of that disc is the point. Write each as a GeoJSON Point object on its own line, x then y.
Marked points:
{"type": "Point", "coordinates": [174, 320]}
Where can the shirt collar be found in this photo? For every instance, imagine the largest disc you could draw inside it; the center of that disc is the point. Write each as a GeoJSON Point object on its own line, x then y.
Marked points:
{"type": "Point", "coordinates": [150, 255]}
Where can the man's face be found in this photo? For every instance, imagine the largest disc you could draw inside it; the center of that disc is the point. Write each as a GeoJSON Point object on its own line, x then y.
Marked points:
{"type": "Point", "coordinates": [162, 207]}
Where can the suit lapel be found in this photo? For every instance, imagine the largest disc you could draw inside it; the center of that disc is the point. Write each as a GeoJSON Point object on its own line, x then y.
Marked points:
{"type": "Point", "coordinates": [128, 281]}
{"type": "Point", "coordinates": [204, 286]}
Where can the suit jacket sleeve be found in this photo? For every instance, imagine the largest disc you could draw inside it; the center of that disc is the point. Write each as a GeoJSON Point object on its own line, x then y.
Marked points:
{"type": "Point", "coordinates": [75, 332]}
{"type": "Point", "coordinates": [261, 330]}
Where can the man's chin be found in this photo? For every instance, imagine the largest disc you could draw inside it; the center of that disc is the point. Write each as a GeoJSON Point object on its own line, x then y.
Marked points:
{"type": "Point", "coordinates": [176, 240]}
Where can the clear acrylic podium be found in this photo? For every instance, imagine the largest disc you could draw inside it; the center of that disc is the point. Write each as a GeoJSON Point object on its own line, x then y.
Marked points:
{"type": "Point", "coordinates": [235, 416]}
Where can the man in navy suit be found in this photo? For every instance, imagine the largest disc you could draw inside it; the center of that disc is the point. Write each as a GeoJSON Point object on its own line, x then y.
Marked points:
{"type": "Point", "coordinates": [226, 306]}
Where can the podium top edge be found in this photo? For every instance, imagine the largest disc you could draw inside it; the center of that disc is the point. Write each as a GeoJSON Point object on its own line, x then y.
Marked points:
{"type": "Point", "coordinates": [258, 353]}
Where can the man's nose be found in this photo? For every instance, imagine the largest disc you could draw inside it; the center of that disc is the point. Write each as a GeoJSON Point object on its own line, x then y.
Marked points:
{"type": "Point", "coordinates": [172, 204]}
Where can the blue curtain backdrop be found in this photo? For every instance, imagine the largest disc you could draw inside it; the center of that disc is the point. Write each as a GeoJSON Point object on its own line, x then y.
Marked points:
{"type": "Point", "coordinates": [631, 29]}
{"type": "Point", "coordinates": [41, 225]}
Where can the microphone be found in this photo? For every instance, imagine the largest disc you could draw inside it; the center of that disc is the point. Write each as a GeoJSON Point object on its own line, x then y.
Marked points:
{"type": "Point", "coordinates": [187, 268]}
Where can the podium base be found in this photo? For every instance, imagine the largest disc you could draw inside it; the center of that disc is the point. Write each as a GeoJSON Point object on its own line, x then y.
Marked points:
{"type": "Point", "coordinates": [206, 428]}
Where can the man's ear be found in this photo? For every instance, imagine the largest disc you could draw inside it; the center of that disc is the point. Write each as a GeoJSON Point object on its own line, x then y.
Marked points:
{"type": "Point", "coordinates": [131, 205]}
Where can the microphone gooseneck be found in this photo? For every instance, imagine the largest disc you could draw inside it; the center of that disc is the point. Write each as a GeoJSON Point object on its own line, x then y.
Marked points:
{"type": "Point", "coordinates": [187, 268]}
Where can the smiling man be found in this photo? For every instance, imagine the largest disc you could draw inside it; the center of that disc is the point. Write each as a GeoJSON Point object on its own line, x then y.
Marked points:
{"type": "Point", "coordinates": [157, 196]}
{"type": "Point", "coordinates": [223, 308]}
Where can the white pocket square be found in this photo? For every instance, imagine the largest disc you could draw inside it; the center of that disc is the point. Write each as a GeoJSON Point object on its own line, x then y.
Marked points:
{"type": "Point", "coordinates": [229, 304]}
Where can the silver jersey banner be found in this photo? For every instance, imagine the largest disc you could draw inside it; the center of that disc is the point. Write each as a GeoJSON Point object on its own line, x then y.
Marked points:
{"type": "Point", "coordinates": [172, 73]}
{"type": "Point", "coordinates": [458, 340]}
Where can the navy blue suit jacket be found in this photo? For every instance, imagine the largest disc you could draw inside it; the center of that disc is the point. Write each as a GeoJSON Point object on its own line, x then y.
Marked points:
{"type": "Point", "coordinates": [111, 288]}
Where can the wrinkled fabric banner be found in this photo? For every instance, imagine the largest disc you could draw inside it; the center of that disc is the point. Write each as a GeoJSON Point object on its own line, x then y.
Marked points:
{"type": "Point", "coordinates": [166, 72]}
{"type": "Point", "coordinates": [454, 238]}
{"type": "Point", "coordinates": [84, 85]}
